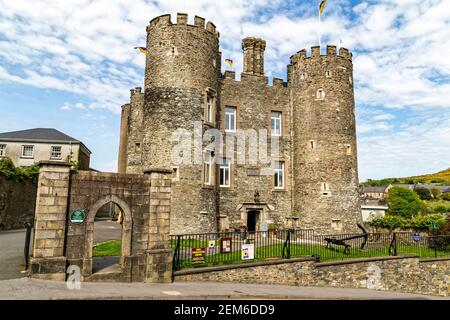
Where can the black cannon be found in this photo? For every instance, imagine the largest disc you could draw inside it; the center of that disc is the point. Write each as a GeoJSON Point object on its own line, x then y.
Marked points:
{"type": "Point", "coordinates": [341, 242]}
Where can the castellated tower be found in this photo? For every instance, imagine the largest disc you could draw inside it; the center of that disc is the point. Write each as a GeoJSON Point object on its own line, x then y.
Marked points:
{"type": "Point", "coordinates": [182, 74]}
{"type": "Point", "coordinates": [311, 181]}
{"type": "Point", "coordinates": [324, 149]}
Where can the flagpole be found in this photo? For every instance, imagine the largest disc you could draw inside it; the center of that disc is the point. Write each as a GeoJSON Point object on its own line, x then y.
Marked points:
{"type": "Point", "coordinates": [319, 29]}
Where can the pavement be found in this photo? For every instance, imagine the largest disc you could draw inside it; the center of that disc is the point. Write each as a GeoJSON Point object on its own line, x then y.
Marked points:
{"type": "Point", "coordinates": [34, 289]}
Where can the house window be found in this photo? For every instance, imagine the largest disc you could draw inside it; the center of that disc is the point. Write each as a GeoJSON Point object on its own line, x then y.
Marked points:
{"type": "Point", "coordinates": [210, 105]}
{"type": "Point", "coordinates": [320, 94]}
{"type": "Point", "coordinates": [230, 119]}
{"type": "Point", "coordinates": [27, 151]}
{"type": "Point", "coordinates": [275, 123]}
{"type": "Point", "coordinates": [56, 152]}
{"type": "Point", "coordinates": [207, 167]}
{"type": "Point", "coordinates": [224, 172]}
{"type": "Point", "coordinates": [279, 175]}
{"type": "Point", "coordinates": [2, 150]}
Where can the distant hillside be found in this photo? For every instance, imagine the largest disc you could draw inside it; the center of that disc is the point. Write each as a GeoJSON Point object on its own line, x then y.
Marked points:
{"type": "Point", "coordinates": [439, 177]}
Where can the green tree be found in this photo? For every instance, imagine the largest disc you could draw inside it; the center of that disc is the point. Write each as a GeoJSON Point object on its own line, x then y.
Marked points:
{"type": "Point", "coordinates": [403, 202]}
{"type": "Point", "coordinates": [423, 193]}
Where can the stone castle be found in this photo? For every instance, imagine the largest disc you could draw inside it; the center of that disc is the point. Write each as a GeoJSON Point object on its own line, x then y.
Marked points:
{"type": "Point", "coordinates": [314, 178]}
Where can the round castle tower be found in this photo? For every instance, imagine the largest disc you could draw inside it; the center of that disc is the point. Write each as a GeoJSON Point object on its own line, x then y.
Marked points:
{"type": "Point", "coordinates": [325, 171]}
{"type": "Point", "coordinates": [181, 75]}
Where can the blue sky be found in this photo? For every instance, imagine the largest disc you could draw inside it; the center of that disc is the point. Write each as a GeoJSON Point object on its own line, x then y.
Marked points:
{"type": "Point", "coordinates": [70, 65]}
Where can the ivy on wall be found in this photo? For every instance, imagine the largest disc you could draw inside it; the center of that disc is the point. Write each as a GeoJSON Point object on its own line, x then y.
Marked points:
{"type": "Point", "coordinates": [18, 174]}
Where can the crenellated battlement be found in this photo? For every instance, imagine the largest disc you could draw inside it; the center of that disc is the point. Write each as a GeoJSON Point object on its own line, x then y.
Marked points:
{"type": "Point", "coordinates": [182, 20]}
{"type": "Point", "coordinates": [301, 55]}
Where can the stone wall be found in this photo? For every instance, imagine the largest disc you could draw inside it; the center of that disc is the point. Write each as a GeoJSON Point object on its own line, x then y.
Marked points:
{"type": "Point", "coordinates": [403, 273]}
{"type": "Point", "coordinates": [17, 203]}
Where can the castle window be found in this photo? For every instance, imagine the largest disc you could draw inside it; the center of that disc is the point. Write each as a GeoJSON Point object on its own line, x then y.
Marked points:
{"type": "Point", "coordinates": [137, 147]}
{"type": "Point", "coordinates": [350, 79]}
{"type": "Point", "coordinates": [224, 172]}
{"type": "Point", "coordinates": [279, 175]}
{"type": "Point", "coordinates": [207, 167]}
{"type": "Point", "coordinates": [325, 189]}
{"type": "Point", "coordinates": [312, 144]}
{"type": "Point", "coordinates": [175, 174]}
{"type": "Point", "coordinates": [320, 94]}
{"type": "Point", "coordinates": [2, 150]}
{"type": "Point", "coordinates": [55, 152]}
{"type": "Point", "coordinates": [210, 106]}
{"type": "Point", "coordinates": [328, 74]}
{"type": "Point", "coordinates": [348, 149]}
{"type": "Point", "coordinates": [27, 151]}
{"type": "Point", "coordinates": [230, 119]}
{"type": "Point", "coordinates": [303, 76]}
{"type": "Point", "coordinates": [275, 123]}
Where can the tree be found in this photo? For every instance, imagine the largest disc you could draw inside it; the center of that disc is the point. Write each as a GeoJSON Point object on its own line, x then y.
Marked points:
{"type": "Point", "coordinates": [437, 194]}
{"type": "Point", "coordinates": [423, 193]}
{"type": "Point", "coordinates": [403, 202]}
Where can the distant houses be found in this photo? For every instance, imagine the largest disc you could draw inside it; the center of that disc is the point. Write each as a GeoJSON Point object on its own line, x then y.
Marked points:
{"type": "Point", "coordinates": [373, 198]}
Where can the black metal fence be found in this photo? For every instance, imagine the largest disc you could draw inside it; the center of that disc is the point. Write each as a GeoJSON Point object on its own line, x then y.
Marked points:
{"type": "Point", "coordinates": [191, 250]}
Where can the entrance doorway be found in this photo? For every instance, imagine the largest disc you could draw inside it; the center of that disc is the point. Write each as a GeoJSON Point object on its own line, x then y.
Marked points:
{"type": "Point", "coordinates": [252, 220]}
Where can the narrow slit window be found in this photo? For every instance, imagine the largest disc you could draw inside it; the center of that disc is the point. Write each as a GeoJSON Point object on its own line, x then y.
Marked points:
{"type": "Point", "coordinates": [320, 94]}
{"type": "Point", "coordinates": [207, 168]}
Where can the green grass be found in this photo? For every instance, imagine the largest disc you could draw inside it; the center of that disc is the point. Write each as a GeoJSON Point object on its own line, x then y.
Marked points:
{"type": "Point", "coordinates": [326, 254]}
{"type": "Point", "coordinates": [107, 249]}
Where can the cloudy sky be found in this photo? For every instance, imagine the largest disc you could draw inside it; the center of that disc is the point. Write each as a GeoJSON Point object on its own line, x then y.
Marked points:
{"type": "Point", "coordinates": [70, 65]}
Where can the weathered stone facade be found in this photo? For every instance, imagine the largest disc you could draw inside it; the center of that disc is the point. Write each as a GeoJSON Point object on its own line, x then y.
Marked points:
{"type": "Point", "coordinates": [403, 274]}
{"type": "Point", "coordinates": [317, 143]}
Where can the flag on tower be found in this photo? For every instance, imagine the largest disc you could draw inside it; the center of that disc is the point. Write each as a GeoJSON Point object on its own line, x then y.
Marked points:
{"type": "Point", "coordinates": [142, 49]}
{"type": "Point", "coordinates": [229, 61]}
{"type": "Point", "coordinates": [322, 5]}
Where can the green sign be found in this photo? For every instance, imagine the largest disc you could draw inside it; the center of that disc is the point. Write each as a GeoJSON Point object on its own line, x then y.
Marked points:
{"type": "Point", "coordinates": [77, 216]}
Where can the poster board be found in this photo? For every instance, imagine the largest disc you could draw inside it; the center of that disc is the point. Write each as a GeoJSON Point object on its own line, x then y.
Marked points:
{"type": "Point", "coordinates": [248, 251]}
{"type": "Point", "coordinates": [225, 245]}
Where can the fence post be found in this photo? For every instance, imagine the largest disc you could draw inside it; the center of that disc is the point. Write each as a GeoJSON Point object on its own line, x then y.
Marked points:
{"type": "Point", "coordinates": [287, 245]}
{"type": "Point", "coordinates": [393, 245]}
{"type": "Point", "coordinates": [176, 255]}
{"type": "Point", "coordinates": [26, 250]}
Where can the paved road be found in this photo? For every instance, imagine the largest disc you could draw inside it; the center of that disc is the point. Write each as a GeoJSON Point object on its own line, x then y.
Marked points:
{"type": "Point", "coordinates": [12, 242]}
{"type": "Point", "coordinates": [11, 254]}
{"type": "Point", "coordinates": [40, 289]}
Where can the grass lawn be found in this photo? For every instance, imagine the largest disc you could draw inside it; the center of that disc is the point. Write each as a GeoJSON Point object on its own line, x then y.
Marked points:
{"type": "Point", "coordinates": [107, 249]}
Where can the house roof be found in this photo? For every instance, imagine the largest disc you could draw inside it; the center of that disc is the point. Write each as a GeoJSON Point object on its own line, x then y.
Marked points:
{"type": "Point", "coordinates": [40, 135]}
{"type": "Point", "coordinates": [370, 189]}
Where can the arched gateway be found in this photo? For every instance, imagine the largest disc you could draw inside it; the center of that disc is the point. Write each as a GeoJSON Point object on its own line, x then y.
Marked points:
{"type": "Point", "coordinates": [66, 205]}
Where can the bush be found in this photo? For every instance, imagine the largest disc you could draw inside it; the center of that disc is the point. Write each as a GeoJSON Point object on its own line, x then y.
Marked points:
{"type": "Point", "coordinates": [441, 209]}
{"type": "Point", "coordinates": [422, 222]}
{"type": "Point", "coordinates": [11, 172]}
{"type": "Point", "coordinates": [436, 193]}
{"type": "Point", "coordinates": [423, 193]}
{"type": "Point", "coordinates": [446, 196]}
{"type": "Point", "coordinates": [403, 202]}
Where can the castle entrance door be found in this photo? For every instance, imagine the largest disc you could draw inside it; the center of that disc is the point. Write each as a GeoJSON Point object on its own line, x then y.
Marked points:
{"type": "Point", "coordinates": [253, 217]}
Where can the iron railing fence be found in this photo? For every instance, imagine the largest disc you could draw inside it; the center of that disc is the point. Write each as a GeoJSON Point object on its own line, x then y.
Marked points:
{"type": "Point", "coordinates": [204, 249]}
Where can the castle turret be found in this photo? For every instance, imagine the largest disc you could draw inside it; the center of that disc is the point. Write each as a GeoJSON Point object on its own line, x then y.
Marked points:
{"type": "Point", "coordinates": [325, 158]}
{"type": "Point", "coordinates": [181, 88]}
{"type": "Point", "coordinates": [254, 55]}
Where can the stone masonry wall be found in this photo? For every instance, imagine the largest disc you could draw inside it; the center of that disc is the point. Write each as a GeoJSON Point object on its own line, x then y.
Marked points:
{"type": "Point", "coordinates": [254, 100]}
{"type": "Point", "coordinates": [404, 274]}
{"type": "Point", "coordinates": [17, 203]}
